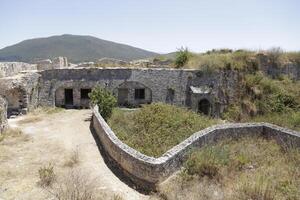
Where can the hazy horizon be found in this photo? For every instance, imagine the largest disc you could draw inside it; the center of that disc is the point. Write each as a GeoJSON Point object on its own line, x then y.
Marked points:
{"type": "Point", "coordinates": [159, 26]}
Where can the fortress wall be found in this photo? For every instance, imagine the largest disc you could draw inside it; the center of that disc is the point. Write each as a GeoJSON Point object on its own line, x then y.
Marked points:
{"type": "Point", "coordinates": [3, 114]}
{"type": "Point", "coordinates": [20, 92]}
{"type": "Point", "coordinates": [147, 171]}
{"type": "Point", "coordinates": [159, 81]}
{"type": "Point", "coordinates": [13, 68]}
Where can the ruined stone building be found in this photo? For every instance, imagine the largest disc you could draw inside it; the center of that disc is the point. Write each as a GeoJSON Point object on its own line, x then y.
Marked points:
{"type": "Point", "coordinates": [26, 86]}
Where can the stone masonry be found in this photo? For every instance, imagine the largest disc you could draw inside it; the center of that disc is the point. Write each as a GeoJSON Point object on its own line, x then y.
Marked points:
{"type": "Point", "coordinates": [148, 171]}
{"type": "Point", "coordinates": [3, 114]}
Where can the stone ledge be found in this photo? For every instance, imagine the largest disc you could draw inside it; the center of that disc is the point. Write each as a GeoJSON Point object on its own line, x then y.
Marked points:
{"type": "Point", "coordinates": [154, 170]}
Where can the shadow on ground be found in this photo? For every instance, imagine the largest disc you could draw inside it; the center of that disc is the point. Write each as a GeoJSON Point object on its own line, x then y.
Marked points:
{"type": "Point", "coordinates": [133, 182]}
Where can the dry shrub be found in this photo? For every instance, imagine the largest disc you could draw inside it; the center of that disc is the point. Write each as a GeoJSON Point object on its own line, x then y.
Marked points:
{"type": "Point", "coordinates": [73, 159]}
{"type": "Point", "coordinates": [30, 119]}
{"type": "Point", "coordinates": [47, 175]}
{"type": "Point", "coordinates": [14, 134]}
{"type": "Point", "coordinates": [75, 185]}
{"type": "Point", "coordinates": [260, 190]}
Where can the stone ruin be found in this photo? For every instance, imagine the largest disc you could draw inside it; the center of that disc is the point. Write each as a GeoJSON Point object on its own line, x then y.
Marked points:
{"type": "Point", "coordinates": [24, 87]}
{"type": "Point", "coordinates": [3, 114]}
{"type": "Point", "coordinates": [56, 63]}
{"type": "Point", "coordinates": [55, 83]}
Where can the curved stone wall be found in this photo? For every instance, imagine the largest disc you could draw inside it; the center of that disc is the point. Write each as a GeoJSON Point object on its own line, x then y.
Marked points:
{"type": "Point", "coordinates": [3, 114]}
{"type": "Point", "coordinates": [144, 169]}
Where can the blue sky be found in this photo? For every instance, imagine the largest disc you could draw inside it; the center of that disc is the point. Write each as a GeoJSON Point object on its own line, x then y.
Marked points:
{"type": "Point", "coordinates": [158, 25]}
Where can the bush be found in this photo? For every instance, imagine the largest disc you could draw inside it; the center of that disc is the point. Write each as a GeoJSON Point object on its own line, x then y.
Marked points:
{"type": "Point", "coordinates": [182, 57]}
{"type": "Point", "coordinates": [74, 186]}
{"type": "Point", "coordinates": [207, 162]}
{"type": "Point", "coordinates": [47, 175]}
{"type": "Point", "coordinates": [156, 128]}
{"type": "Point", "coordinates": [105, 101]}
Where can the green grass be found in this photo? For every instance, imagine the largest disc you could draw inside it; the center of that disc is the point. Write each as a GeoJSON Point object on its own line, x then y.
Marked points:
{"type": "Point", "coordinates": [156, 128]}
{"type": "Point", "coordinates": [247, 168]}
{"type": "Point", "coordinates": [289, 119]}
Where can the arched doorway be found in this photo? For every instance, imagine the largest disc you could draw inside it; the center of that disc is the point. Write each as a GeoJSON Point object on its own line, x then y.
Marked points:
{"type": "Point", "coordinates": [204, 107]}
{"type": "Point", "coordinates": [16, 101]}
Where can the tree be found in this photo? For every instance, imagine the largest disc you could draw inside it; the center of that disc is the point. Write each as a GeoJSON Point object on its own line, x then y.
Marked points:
{"type": "Point", "coordinates": [182, 57]}
{"type": "Point", "coordinates": [105, 101]}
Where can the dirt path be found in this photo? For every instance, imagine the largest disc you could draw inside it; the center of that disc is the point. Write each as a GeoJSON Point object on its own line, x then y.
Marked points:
{"type": "Point", "coordinates": [51, 139]}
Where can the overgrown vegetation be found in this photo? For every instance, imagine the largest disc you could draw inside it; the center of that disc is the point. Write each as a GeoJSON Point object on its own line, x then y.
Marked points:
{"type": "Point", "coordinates": [263, 99]}
{"type": "Point", "coordinates": [156, 128]}
{"type": "Point", "coordinates": [246, 168]}
{"type": "Point", "coordinates": [182, 57]}
{"type": "Point", "coordinates": [242, 60]}
{"type": "Point", "coordinates": [105, 101]}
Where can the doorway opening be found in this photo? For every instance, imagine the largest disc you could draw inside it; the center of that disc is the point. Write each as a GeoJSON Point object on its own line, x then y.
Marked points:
{"type": "Point", "coordinates": [69, 97]}
{"type": "Point", "coordinates": [204, 107]}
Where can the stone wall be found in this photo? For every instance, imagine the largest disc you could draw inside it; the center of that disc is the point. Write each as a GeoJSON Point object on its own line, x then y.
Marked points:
{"type": "Point", "coordinates": [20, 92]}
{"type": "Point", "coordinates": [143, 169]}
{"type": "Point", "coordinates": [3, 114]}
{"type": "Point", "coordinates": [13, 68]}
{"type": "Point", "coordinates": [157, 83]}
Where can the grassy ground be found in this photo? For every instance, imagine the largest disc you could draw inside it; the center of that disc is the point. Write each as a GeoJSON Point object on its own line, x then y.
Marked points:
{"type": "Point", "coordinates": [248, 168]}
{"type": "Point", "coordinates": [156, 128]}
{"type": "Point", "coordinates": [267, 100]}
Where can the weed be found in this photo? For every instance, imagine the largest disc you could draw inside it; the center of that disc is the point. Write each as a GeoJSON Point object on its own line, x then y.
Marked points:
{"type": "Point", "coordinates": [74, 186]}
{"type": "Point", "coordinates": [46, 175]}
{"type": "Point", "coordinates": [73, 159]}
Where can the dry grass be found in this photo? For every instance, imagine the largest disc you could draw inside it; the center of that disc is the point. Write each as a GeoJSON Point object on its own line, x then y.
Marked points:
{"type": "Point", "coordinates": [12, 136]}
{"type": "Point", "coordinates": [30, 119]}
{"type": "Point", "coordinates": [248, 168]}
{"type": "Point", "coordinates": [46, 110]}
{"type": "Point", "coordinates": [77, 185]}
{"type": "Point", "coordinates": [73, 159]}
{"type": "Point", "coordinates": [37, 114]}
{"type": "Point", "coordinates": [47, 175]}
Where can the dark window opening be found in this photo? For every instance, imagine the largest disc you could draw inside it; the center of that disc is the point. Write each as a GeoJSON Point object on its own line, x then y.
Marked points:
{"type": "Point", "coordinates": [170, 95]}
{"type": "Point", "coordinates": [84, 93]}
{"type": "Point", "coordinates": [68, 96]}
{"type": "Point", "coordinates": [204, 107]}
{"type": "Point", "coordinates": [139, 94]}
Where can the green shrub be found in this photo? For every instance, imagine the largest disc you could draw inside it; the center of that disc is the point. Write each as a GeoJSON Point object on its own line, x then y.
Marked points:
{"type": "Point", "coordinates": [182, 57]}
{"type": "Point", "coordinates": [105, 101]}
{"type": "Point", "coordinates": [156, 128]}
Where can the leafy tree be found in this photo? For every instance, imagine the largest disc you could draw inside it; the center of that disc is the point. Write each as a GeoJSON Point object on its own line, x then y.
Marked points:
{"type": "Point", "coordinates": [182, 57]}
{"type": "Point", "coordinates": [105, 101]}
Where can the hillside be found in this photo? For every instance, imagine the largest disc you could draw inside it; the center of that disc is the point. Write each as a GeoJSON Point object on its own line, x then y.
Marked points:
{"type": "Point", "coordinates": [75, 48]}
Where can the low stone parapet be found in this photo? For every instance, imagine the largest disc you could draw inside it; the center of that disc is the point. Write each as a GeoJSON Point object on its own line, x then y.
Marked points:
{"type": "Point", "coordinates": [148, 171]}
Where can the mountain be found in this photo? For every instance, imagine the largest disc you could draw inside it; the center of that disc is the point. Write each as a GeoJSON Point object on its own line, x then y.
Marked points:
{"type": "Point", "coordinates": [76, 48]}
